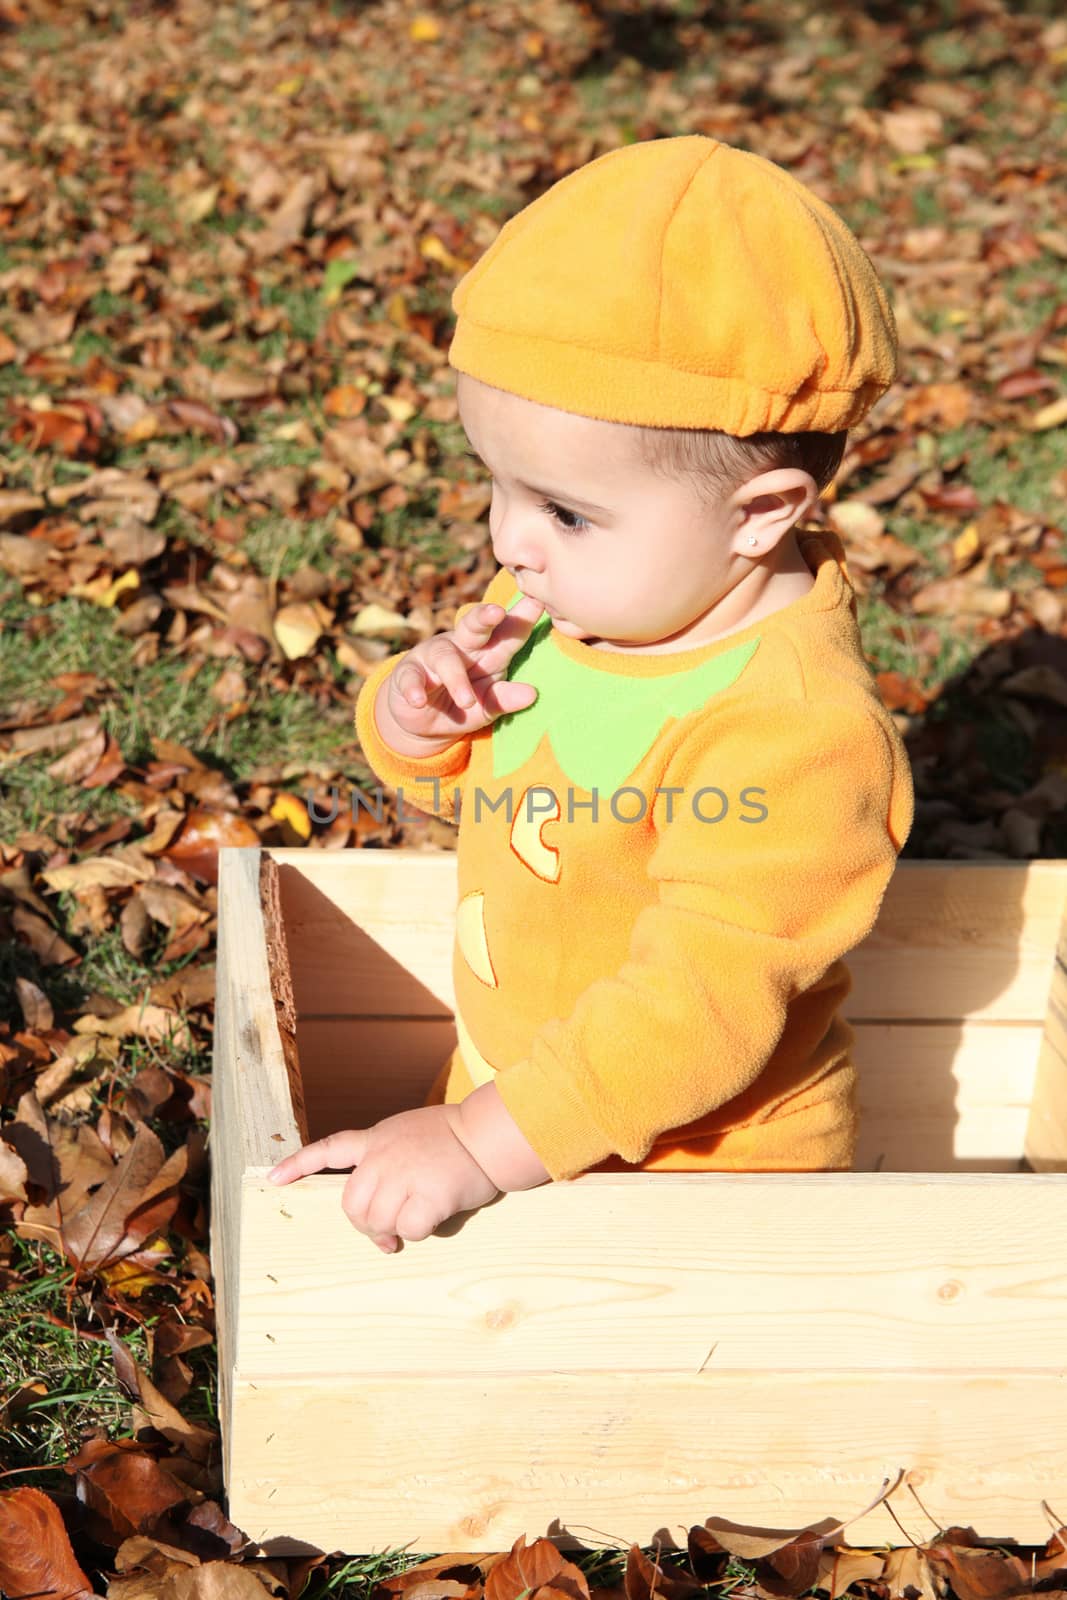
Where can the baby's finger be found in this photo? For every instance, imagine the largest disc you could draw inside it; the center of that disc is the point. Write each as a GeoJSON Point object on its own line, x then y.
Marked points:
{"type": "Point", "coordinates": [415, 681]}
{"type": "Point", "coordinates": [454, 673]}
{"type": "Point", "coordinates": [336, 1152]}
{"type": "Point", "coordinates": [475, 626]}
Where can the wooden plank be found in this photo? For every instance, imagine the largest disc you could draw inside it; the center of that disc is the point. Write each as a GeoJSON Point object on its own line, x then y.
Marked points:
{"type": "Point", "coordinates": [370, 923]}
{"type": "Point", "coordinates": [673, 1272]}
{"type": "Point", "coordinates": [961, 939]}
{"type": "Point", "coordinates": [953, 939]}
{"type": "Point", "coordinates": [252, 1117]}
{"type": "Point", "coordinates": [469, 1463]}
{"type": "Point", "coordinates": [936, 1098]}
{"type": "Point", "coordinates": [944, 1097]}
{"type": "Point", "coordinates": [1046, 1134]}
{"type": "Point", "coordinates": [356, 1071]}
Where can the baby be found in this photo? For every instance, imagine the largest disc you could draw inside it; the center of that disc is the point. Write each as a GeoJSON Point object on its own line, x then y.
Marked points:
{"type": "Point", "coordinates": [680, 798]}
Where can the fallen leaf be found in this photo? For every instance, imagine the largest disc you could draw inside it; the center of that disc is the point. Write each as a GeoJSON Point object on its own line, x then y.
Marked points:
{"type": "Point", "coordinates": [107, 871]}
{"type": "Point", "coordinates": [297, 628]}
{"type": "Point", "coordinates": [35, 1554]}
{"type": "Point", "coordinates": [195, 848]}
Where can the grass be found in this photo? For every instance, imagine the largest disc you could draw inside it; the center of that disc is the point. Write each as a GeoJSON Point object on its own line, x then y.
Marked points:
{"type": "Point", "coordinates": [140, 701]}
{"type": "Point", "coordinates": [78, 1371]}
{"type": "Point", "coordinates": [357, 1578]}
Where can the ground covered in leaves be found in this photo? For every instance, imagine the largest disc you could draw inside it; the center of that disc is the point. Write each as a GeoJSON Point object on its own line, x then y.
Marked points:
{"type": "Point", "coordinates": [232, 479]}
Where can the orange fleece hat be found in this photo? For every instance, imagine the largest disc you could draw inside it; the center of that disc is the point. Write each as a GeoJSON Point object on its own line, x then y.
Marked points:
{"type": "Point", "coordinates": [680, 283]}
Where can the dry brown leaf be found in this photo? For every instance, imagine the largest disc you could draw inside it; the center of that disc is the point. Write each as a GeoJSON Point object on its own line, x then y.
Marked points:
{"type": "Point", "coordinates": [125, 1485]}
{"type": "Point", "coordinates": [158, 1024]}
{"type": "Point", "coordinates": [12, 1175]}
{"type": "Point", "coordinates": [203, 834]}
{"type": "Point", "coordinates": [907, 1576]}
{"type": "Point", "coordinates": [135, 1199]}
{"type": "Point", "coordinates": [531, 1568]}
{"type": "Point", "coordinates": [46, 942]}
{"type": "Point", "coordinates": [952, 597]}
{"type": "Point", "coordinates": [106, 871]}
{"type": "Point", "coordinates": [34, 1004]}
{"type": "Point", "coordinates": [35, 1554]}
{"type": "Point", "coordinates": [56, 736]}
{"type": "Point", "coordinates": [199, 1444]}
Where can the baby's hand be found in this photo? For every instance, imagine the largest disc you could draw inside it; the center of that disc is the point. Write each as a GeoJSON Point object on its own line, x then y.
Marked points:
{"type": "Point", "coordinates": [412, 1173]}
{"type": "Point", "coordinates": [454, 683]}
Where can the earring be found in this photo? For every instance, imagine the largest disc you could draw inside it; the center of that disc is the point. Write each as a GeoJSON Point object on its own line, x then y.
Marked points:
{"type": "Point", "coordinates": [751, 539]}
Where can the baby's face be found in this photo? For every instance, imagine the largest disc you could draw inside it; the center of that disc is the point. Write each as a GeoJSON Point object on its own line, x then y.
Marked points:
{"type": "Point", "coordinates": [616, 553]}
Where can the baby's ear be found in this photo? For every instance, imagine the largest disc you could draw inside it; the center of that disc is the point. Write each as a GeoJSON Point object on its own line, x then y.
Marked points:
{"type": "Point", "coordinates": [773, 501]}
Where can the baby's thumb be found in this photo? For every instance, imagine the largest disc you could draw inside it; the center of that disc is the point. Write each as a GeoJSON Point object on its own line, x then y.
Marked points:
{"type": "Point", "coordinates": [514, 696]}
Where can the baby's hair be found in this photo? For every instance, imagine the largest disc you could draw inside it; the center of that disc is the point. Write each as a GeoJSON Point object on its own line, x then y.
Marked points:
{"type": "Point", "coordinates": [719, 462]}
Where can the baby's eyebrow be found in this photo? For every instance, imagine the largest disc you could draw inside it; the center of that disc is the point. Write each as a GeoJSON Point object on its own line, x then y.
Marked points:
{"type": "Point", "coordinates": [551, 494]}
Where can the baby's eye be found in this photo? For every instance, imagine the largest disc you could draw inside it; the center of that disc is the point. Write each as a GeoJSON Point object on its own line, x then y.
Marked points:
{"type": "Point", "coordinates": [575, 524]}
{"type": "Point", "coordinates": [566, 521]}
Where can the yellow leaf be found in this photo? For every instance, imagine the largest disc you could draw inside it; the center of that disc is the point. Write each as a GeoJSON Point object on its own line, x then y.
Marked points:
{"type": "Point", "coordinates": [129, 580]}
{"type": "Point", "coordinates": [287, 808]}
{"type": "Point", "coordinates": [104, 591]}
{"type": "Point", "coordinates": [198, 205]}
{"type": "Point", "coordinates": [1050, 416]}
{"type": "Point", "coordinates": [424, 29]}
{"type": "Point", "coordinates": [920, 162]}
{"type": "Point", "coordinates": [289, 86]}
{"type": "Point", "coordinates": [966, 545]}
{"type": "Point", "coordinates": [432, 248]}
{"type": "Point", "coordinates": [146, 427]}
{"type": "Point", "coordinates": [131, 1279]}
{"type": "Point", "coordinates": [296, 629]}
{"type": "Point", "coordinates": [375, 622]}
{"type": "Point", "coordinates": [399, 410]}
{"type": "Point", "coordinates": [396, 309]}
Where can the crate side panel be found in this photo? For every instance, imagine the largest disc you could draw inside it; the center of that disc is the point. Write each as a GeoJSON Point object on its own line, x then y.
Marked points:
{"type": "Point", "coordinates": [357, 1071]}
{"type": "Point", "coordinates": [1046, 1136]}
{"type": "Point", "coordinates": [952, 939]}
{"type": "Point", "coordinates": [264, 1124]}
{"type": "Point", "coordinates": [369, 931]}
{"type": "Point", "coordinates": [960, 939]}
{"type": "Point", "coordinates": [942, 1097]}
{"type": "Point", "coordinates": [252, 1118]}
{"type": "Point", "coordinates": [469, 1463]}
{"type": "Point", "coordinates": [674, 1272]}
{"type": "Point", "coordinates": [226, 1167]}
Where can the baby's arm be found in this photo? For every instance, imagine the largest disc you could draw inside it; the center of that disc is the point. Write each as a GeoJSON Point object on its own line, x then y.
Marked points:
{"type": "Point", "coordinates": [491, 1134]}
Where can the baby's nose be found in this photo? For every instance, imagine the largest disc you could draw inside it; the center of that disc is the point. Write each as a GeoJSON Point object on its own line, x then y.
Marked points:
{"type": "Point", "coordinates": [516, 547]}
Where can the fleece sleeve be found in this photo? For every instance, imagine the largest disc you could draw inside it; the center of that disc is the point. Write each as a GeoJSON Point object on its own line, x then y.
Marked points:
{"type": "Point", "coordinates": [749, 911]}
{"type": "Point", "coordinates": [449, 765]}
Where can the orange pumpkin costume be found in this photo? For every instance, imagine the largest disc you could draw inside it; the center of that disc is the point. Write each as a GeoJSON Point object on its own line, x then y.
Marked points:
{"type": "Point", "coordinates": [661, 990]}
{"type": "Point", "coordinates": [656, 984]}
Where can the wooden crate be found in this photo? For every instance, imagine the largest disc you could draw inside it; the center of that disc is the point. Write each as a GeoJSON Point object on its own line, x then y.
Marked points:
{"type": "Point", "coordinates": [623, 1355]}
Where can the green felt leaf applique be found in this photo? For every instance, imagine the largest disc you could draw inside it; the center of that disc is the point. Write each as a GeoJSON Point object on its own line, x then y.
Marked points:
{"type": "Point", "coordinates": [599, 724]}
